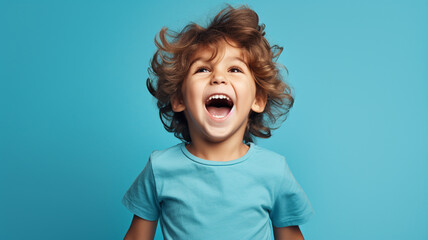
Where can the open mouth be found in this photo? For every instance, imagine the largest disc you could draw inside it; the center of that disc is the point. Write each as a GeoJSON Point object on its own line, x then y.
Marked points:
{"type": "Point", "coordinates": [219, 105]}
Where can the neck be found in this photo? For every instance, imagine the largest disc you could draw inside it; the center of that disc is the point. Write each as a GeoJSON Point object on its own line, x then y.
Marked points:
{"type": "Point", "coordinates": [227, 150]}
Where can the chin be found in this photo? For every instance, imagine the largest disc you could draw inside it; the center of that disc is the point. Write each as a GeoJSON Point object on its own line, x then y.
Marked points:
{"type": "Point", "coordinates": [217, 137]}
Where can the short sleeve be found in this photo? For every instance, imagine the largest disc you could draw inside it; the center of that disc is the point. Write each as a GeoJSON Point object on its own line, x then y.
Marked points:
{"type": "Point", "coordinates": [291, 206]}
{"type": "Point", "coordinates": [141, 198]}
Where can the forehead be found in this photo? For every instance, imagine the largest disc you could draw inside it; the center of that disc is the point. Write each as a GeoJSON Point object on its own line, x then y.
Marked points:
{"type": "Point", "coordinates": [218, 52]}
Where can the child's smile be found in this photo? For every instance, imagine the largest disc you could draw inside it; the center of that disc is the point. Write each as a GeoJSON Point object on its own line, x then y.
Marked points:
{"type": "Point", "coordinates": [219, 106]}
{"type": "Point", "coordinates": [218, 95]}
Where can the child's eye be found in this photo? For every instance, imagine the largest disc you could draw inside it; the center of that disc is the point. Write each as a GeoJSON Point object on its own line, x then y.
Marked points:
{"type": "Point", "coordinates": [235, 70]}
{"type": "Point", "coordinates": [202, 69]}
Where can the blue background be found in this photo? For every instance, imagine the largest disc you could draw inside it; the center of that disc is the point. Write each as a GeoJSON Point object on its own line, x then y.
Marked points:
{"type": "Point", "coordinates": [77, 123]}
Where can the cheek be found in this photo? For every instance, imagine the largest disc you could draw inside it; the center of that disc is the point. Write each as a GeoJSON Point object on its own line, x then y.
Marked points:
{"type": "Point", "coordinates": [250, 89]}
{"type": "Point", "coordinates": [193, 94]}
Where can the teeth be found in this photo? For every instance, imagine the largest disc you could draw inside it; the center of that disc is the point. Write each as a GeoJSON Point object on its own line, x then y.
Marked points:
{"type": "Point", "coordinates": [217, 116]}
{"type": "Point", "coordinates": [219, 97]}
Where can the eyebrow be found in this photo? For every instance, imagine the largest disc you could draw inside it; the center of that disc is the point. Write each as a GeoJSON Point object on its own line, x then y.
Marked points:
{"type": "Point", "coordinates": [203, 60]}
{"type": "Point", "coordinates": [194, 60]}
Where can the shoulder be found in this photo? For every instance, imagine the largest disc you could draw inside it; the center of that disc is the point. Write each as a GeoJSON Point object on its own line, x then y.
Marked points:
{"type": "Point", "coordinates": [272, 161]}
{"type": "Point", "coordinates": [168, 153]}
{"type": "Point", "coordinates": [267, 156]}
{"type": "Point", "coordinates": [168, 160]}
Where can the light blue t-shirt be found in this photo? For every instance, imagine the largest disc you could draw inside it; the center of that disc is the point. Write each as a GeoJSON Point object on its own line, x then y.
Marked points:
{"type": "Point", "coordinates": [202, 199]}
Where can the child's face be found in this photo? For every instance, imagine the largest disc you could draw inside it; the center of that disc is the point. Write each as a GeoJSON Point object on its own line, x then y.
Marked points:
{"type": "Point", "coordinates": [217, 95]}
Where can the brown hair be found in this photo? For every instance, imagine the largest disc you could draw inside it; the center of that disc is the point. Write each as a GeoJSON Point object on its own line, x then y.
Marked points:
{"type": "Point", "coordinates": [171, 63]}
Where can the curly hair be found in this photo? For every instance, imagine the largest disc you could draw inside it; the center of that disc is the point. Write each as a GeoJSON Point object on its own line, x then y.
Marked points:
{"type": "Point", "coordinates": [171, 62]}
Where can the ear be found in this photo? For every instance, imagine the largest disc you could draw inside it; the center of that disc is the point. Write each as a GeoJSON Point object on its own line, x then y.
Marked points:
{"type": "Point", "coordinates": [259, 103]}
{"type": "Point", "coordinates": [177, 103]}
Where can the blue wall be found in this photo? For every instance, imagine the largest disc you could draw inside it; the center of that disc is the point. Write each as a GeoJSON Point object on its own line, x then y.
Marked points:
{"type": "Point", "coordinates": [77, 123]}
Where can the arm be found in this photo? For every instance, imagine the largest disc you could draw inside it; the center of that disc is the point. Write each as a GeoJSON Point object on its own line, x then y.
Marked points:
{"type": "Point", "coordinates": [141, 229]}
{"type": "Point", "coordinates": [288, 233]}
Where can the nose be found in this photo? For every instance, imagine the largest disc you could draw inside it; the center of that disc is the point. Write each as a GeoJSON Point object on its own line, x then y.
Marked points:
{"type": "Point", "coordinates": [218, 78]}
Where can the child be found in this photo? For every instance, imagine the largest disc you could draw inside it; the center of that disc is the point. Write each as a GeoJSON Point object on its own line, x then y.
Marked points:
{"type": "Point", "coordinates": [217, 88]}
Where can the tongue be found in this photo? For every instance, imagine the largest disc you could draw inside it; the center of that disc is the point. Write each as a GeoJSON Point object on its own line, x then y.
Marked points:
{"type": "Point", "coordinates": [218, 112]}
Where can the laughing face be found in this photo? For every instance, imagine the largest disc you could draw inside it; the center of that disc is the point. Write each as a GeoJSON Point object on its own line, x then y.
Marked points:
{"type": "Point", "coordinates": [218, 95]}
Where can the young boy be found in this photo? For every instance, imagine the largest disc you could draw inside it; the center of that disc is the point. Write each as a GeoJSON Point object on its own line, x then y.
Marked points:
{"type": "Point", "coordinates": [217, 88]}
